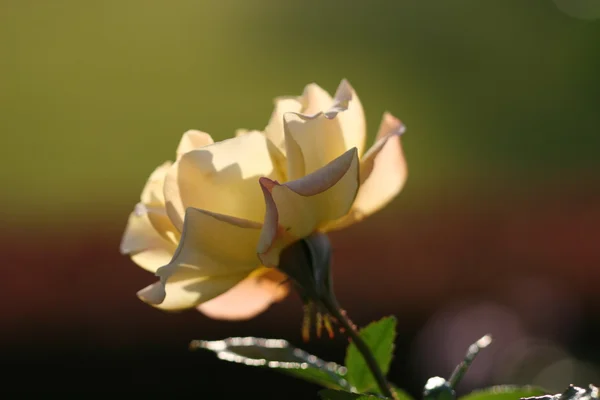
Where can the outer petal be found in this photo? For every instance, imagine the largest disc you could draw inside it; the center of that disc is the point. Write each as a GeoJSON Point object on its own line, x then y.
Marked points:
{"type": "Point", "coordinates": [215, 253]}
{"type": "Point", "coordinates": [221, 178]}
{"type": "Point", "coordinates": [383, 173]}
{"type": "Point", "coordinates": [274, 130]}
{"type": "Point", "coordinates": [153, 190]}
{"type": "Point", "coordinates": [149, 237]}
{"type": "Point", "coordinates": [192, 140]}
{"type": "Point", "coordinates": [319, 137]}
{"type": "Point", "coordinates": [298, 208]}
{"type": "Point", "coordinates": [248, 298]}
{"type": "Point", "coordinates": [185, 289]}
{"type": "Point", "coordinates": [352, 121]}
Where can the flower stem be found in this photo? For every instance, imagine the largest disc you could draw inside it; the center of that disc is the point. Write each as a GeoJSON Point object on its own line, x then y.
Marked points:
{"type": "Point", "coordinates": [351, 333]}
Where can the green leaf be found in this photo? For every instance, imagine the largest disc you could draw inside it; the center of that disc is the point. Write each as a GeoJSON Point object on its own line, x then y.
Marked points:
{"type": "Point", "coordinates": [280, 355]}
{"type": "Point", "coordinates": [401, 394]}
{"type": "Point", "coordinates": [379, 337]}
{"type": "Point", "coordinates": [504, 392]}
{"type": "Point", "coordinates": [329, 394]}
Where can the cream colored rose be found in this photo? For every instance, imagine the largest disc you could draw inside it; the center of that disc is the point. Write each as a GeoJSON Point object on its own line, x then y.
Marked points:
{"type": "Point", "coordinates": [151, 238]}
{"type": "Point", "coordinates": [239, 202]}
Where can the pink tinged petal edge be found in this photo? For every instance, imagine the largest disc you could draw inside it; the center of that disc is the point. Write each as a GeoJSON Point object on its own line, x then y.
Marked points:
{"type": "Point", "coordinates": [390, 129]}
{"type": "Point", "coordinates": [324, 178]}
{"type": "Point", "coordinates": [274, 236]}
{"type": "Point", "coordinates": [390, 125]}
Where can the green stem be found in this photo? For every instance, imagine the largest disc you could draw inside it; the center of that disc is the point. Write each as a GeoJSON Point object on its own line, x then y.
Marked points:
{"type": "Point", "coordinates": [350, 331]}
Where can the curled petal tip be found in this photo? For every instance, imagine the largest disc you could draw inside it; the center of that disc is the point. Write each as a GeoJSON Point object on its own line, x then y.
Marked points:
{"type": "Point", "coordinates": [124, 249]}
{"type": "Point", "coordinates": [267, 184]}
{"type": "Point", "coordinates": [270, 229]}
{"type": "Point", "coordinates": [393, 125]}
{"type": "Point", "coordinates": [140, 210]}
{"type": "Point", "coordinates": [153, 294]}
{"type": "Point", "coordinates": [341, 101]}
{"type": "Point", "coordinates": [327, 176]}
{"type": "Point", "coordinates": [344, 91]}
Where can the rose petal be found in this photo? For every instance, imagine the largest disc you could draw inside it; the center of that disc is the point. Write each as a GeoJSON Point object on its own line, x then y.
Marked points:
{"type": "Point", "coordinates": [149, 247]}
{"type": "Point", "coordinates": [274, 130]}
{"type": "Point", "coordinates": [298, 208]}
{"type": "Point", "coordinates": [352, 121]}
{"type": "Point", "coordinates": [248, 298]}
{"type": "Point", "coordinates": [296, 168]}
{"type": "Point", "coordinates": [319, 138]}
{"type": "Point", "coordinates": [214, 254]}
{"type": "Point", "coordinates": [315, 99]}
{"type": "Point", "coordinates": [221, 178]}
{"type": "Point", "coordinates": [152, 194]}
{"type": "Point", "coordinates": [185, 289]}
{"type": "Point", "coordinates": [383, 173]}
{"type": "Point", "coordinates": [383, 168]}
{"type": "Point", "coordinates": [240, 132]}
{"type": "Point", "coordinates": [192, 140]}
{"type": "Point", "coordinates": [149, 236]}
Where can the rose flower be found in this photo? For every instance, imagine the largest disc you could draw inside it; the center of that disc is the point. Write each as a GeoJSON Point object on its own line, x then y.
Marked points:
{"type": "Point", "coordinates": [212, 224]}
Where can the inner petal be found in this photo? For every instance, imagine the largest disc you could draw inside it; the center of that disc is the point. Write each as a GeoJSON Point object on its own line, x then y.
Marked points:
{"type": "Point", "coordinates": [298, 208]}
{"type": "Point", "coordinates": [323, 136]}
{"type": "Point", "coordinates": [274, 130]}
{"type": "Point", "coordinates": [319, 139]}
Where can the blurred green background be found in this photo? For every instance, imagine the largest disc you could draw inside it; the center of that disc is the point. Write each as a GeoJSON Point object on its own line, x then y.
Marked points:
{"type": "Point", "coordinates": [95, 94]}
{"type": "Point", "coordinates": [501, 100]}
